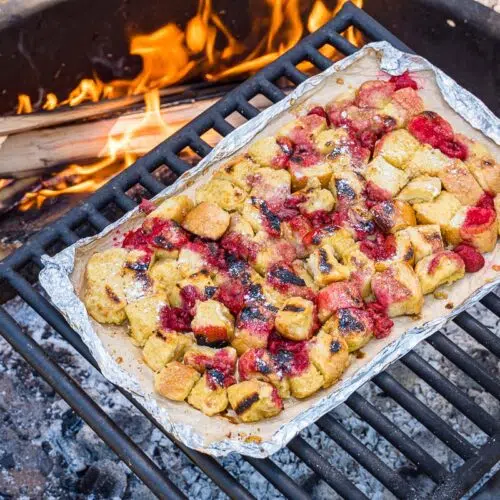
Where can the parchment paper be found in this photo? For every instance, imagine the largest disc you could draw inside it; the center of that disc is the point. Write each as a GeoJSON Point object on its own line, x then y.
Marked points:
{"type": "Point", "coordinates": [63, 275]}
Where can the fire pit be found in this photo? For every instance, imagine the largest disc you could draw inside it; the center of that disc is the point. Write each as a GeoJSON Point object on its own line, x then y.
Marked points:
{"type": "Point", "coordinates": [417, 469]}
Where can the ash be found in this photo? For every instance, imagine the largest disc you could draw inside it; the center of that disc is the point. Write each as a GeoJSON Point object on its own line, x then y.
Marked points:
{"type": "Point", "coordinates": [47, 451]}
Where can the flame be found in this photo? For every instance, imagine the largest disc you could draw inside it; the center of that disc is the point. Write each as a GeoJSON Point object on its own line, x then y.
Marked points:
{"type": "Point", "coordinates": [169, 55]}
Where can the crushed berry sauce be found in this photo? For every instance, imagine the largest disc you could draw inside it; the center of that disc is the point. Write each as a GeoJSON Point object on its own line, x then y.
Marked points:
{"type": "Point", "coordinates": [380, 248]}
{"type": "Point", "coordinates": [486, 201]}
{"type": "Point", "coordinates": [375, 194]}
{"type": "Point", "coordinates": [232, 295]}
{"type": "Point", "coordinates": [473, 260]}
{"type": "Point", "coordinates": [217, 379]}
{"type": "Point", "coordinates": [403, 81]}
{"type": "Point", "coordinates": [320, 111]}
{"type": "Point", "coordinates": [211, 253]}
{"type": "Point", "coordinates": [146, 206]}
{"type": "Point", "coordinates": [256, 319]}
{"type": "Point", "coordinates": [292, 358]}
{"type": "Point", "coordinates": [221, 361]}
{"type": "Point", "coordinates": [382, 324]}
{"type": "Point", "coordinates": [275, 397]}
{"type": "Point", "coordinates": [175, 318]}
{"type": "Point", "coordinates": [241, 247]}
{"type": "Point", "coordinates": [190, 295]}
{"type": "Point", "coordinates": [320, 218]}
{"type": "Point", "coordinates": [477, 216]}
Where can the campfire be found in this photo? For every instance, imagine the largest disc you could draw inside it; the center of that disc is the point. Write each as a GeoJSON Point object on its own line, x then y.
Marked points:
{"type": "Point", "coordinates": [75, 143]}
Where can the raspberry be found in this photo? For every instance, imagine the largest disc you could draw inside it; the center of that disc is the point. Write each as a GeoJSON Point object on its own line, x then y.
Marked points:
{"type": "Point", "coordinates": [473, 260]}
{"type": "Point", "coordinates": [318, 110]}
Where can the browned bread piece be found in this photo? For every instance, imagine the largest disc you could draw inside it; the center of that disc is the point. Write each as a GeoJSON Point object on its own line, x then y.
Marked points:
{"type": "Point", "coordinates": [306, 382]}
{"type": "Point", "coordinates": [175, 381]}
{"type": "Point", "coordinates": [385, 176]}
{"type": "Point", "coordinates": [458, 180]}
{"type": "Point", "coordinates": [207, 395]}
{"type": "Point", "coordinates": [212, 324]}
{"type": "Point", "coordinates": [144, 317]}
{"type": "Point", "coordinates": [163, 347]}
{"type": "Point", "coordinates": [440, 211]}
{"type": "Point", "coordinates": [302, 174]}
{"type": "Point", "coordinates": [421, 189]}
{"type": "Point", "coordinates": [329, 354]}
{"type": "Point", "coordinates": [393, 215]}
{"type": "Point", "coordinates": [239, 172]}
{"type": "Point", "coordinates": [425, 240]}
{"type": "Point", "coordinates": [296, 320]}
{"type": "Point", "coordinates": [324, 267]}
{"type": "Point", "coordinates": [221, 192]}
{"type": "Point", "coordinates": [397, 147]}
{"type": "Point", "coordinates": [207, 220]}
{"type": "Point", "coordinates": [264, 151]}
{"type": "Point", "coordinates": [438, 269]}
{"type": "Point", "coordinates": [174, 208]}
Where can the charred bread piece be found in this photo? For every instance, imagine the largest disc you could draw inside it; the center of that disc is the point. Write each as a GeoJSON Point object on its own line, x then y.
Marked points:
{"type": "Point", "coordinates": [163, 347]}
{"type": "Point", "coordinates": [105, 297]}
{"type": "Point", "coordinates": [206, 220]}
{"type": "Point", "coordinates": [385, 177]}
{"type": "Point", "coordinates": [209, 394]}
{"type": "Point", "coordinates": [405, 103]}
{"type": "Point", "coordinates": [421, 189]}
{"type": "Point", "coordinates": [144, 317]}
{"type": "Point", "coordinates": [397, 147]}
{"type": "Point", "coordinates": [297, 319]}
{"type": "Point", "coordinates": [253, 327]}
{"type": "Point", "coordinates": [221, 192]}
{"type": "Point", "coordinates": [438, 269]}
{"type": "Point", "coordinates": [213, 324]}
{"type": "Point", "coordinates": [425, 240]}
{"type": "Point", "coordinates": [199, 283]}
{"type": "Point", "coordinates": [175, 208]}
{"type": "Point", "coordinates": [393, 215]}
{"type": "Point", "coordinates": [354, 326]}
{"type": "Point", "coordinates": [385, 252]}
{"type": "Point", "coordinates": [295, 231]}
{"type": "Point", "coordinates": [458, 180]}
{"type": "Point", "coordinates": [340, 295]}
{"type": "Point", "coordinates": [361, 268]}
{"type": "Point", "coordinates": [339, 238]}
{"type": "Point", "coordinates": [475, 226]}
{"type": "Point", "coordinates": [348, 188]}
{"type": "Point", "coordinates": [175, 381]}
{"type": "Point", "coordinates": [253, 400]}
{"type": "Point", "coordinates": [313, 199]}
{"type": "Point", "coordinates": [329, 354]}
{"type": "Point", "coordinates": [239, 172]}
{"type": "Point", "coordinates": [324, 266]}
{"type": "Point", "coordinates": [440, 211]}
{"type": "Point", "coordinates": [398, 290]}
{"type": "Point", "coordinates": [203, 358]}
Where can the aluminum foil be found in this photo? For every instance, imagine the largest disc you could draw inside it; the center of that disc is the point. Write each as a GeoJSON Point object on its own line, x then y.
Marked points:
{"type": "Point", "coordinates": [264, 438]}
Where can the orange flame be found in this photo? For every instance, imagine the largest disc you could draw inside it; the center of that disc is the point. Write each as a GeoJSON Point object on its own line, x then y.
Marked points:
{"type": "Point", "coordinates": [169, 55]}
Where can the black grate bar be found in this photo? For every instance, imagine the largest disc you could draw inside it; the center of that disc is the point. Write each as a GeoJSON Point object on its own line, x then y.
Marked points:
{"type": "Point", "coordinates": [341, 43]}
{"type": "Point", "coordinates": [492, 302]}
{"type": "Point", "coordinates": [96, 218]}
{"type": "Point", "coordinates": [124, 202]}
{"type": "Point", "coordinates": [153, 185]}
{"type": "Point", "coordinates": [478, 331]}
{"type": "Point", "coordinates": [281, 481]}
{"type": "Point", "coordinates": [465, 362]}
{"type": "Point", "coordinates": [68, 236]}
{"type": "Point", "coordinates": [424, 415]}
{"type": "Point", "coordinates": [390, 479]}
{"type": "Point", "coordinates": [451, 393]}
{"type": "Point", "coordinates": [199, 146]}
{"type": "Point", "coordinates": [397, 438]}
{"type": "Point", "coordinates": [101, 424]}
{"type": "Point", "coordinates": [324, 469]}
{"type": "Point", "coordinates": [246, 109]}
{"type": "Point", "coordinates": [294, 75]}
{"type": "Point", "coordinates": [270, 90]}
{"type": "Point", "coordinates": [468, 474]}
{"type": "Point", "coordinates": [317, 58]}
{"type": "Point", "coordinates": [222, 126]}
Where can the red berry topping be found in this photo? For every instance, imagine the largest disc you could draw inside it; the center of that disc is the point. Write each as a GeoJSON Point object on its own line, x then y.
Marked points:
{"type": "Point", "coordinates": [473, 260]}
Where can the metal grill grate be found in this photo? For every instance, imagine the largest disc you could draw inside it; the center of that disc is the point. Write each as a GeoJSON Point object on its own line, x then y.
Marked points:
{"type": "Point", "coordinates": [20, 269]}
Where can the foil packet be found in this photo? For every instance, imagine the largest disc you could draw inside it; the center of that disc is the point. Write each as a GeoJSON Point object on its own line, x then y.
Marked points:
{"type": "Point", "coordinates": [120, 361]}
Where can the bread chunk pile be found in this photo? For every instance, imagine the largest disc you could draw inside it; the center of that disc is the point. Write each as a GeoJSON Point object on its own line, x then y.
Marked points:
{"type": "Point", "coordinates": [296, 254]}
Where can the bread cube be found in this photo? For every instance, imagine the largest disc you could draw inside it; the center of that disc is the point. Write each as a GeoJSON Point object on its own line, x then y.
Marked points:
{"type": "Point", "coordinates": [239, 172]}
{"type": "Point", "coordinates": [163, 347]}
{"type": "Point", "coordinates": [252, 214]}
{"type": "Point", "coordinates": [165, 273]}
{"type": "Point", "coordinates": [294, 231]}
{"type": "Point", "coordinates": [265, 151]}
{"type": "Point", "coordinates": [303, 129]}
{"type": "Point", "coordinates": [315, 198]}
{"type": "Point", "coordinates": [300, 270]}
{"type": "Point", "coordinates": [438, 269]}
{"type": "Point", "coordinates": [271, 252]}
{"type": "Point", "coordinates": [239, 225]}
{"type": "Point", "coordinates": [175, 381]}
{"type": "Point", "coordinates": [398, 290]}
{"type": "Point", "coordinates": [383, 175]}
{"type": "Point", "coordinates": [482, 165]}
{"type": "Point", "coordinates": [203, 358]}
{"type": "Point", "coordinates": [427, 161]}
{"type": "Point", "coordinates": [339, 295]}
{"type": "Point", "coordinates": [253, 327]}
{"type": "Point", "coordinates": [105, 297]}
{"type": "Point", "coordinates": [374, 94]}
{"type": "Point", "coordinates": [271, 185]}
{"type": "Point", "coordinates": [201, 283]}
{"type": "Point", "coordinates": [361, 268]}
{"type": "Point", "coordinates": [332, 140]}
{"type": "Point", "coordinates": [347, 187]}
{"type": "Point", "coordinates": [406, 99]}
{"type": "Point", "coordinates": [403, 252]}
{"type": "Point", "coordinates": [207, 220]}
{"type": "Point", "coordinates": [306, 382]}
{"type": "Point", "coordinates": [458, 180]}
{"type": "Point", "coordinates": [475, 226]}
{"type": "Point", "coordinates": [213, 324]}
{"type": "Point", "coordinates": [221, 192]}
{"type": "Point", "coordinates": [191, 260]}
{"type": "Point", "coordinates": [301, 173]}
{"type": "Point", "coordinates": [354, 326]}
{"type": "Point", "coordinates": [259, 364]}
{"type": "Point", "coordinates": [324, 267]}
{"type": "Point", "coordinates": [254, 400]}
{"type": "Point", "coordinates": [144, 317]}
{"type": "Point", "coordinates": [340, 239]}
{"type": "Point", "coordinates": [440, 211]}
{"type": "Point", "coordinates": [297, 319]}
{"type": "Point", "coordinates": [329, 354]}
{"type": "Point", "coordinates": [393, 215]}
{"type": "Point", "coordinates": [208, 396]}
{"type": "Point", "coordinates": [397, 147]}
{"type": "Point", "coordinates": [425, 240]}
{"type": "Point", "coordinates": [421, 189]}
{"type": "Point", "coordinates": [175, 208]}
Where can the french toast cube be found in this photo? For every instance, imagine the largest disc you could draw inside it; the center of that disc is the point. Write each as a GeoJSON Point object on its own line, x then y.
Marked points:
{"type": "Point", "coordinates": [207, 220]}
{"type": "Point", "coordinates": [393, 215]}
{"type": "Point", "coordinates": [438, 269]}
{"type": "Point", "coordinates": [397, 147]}
{"type": "Point", "coordinates": [347, 187]}
{"type": "Point", "coordinates": [213, 324]}
{"type": "Point", "coordinates": [165, 273]}
{"type": "Point", "coordinates": [440, 211]}
{"type": "Point", "coordinates": [329, 354]}
{"type": "Point", "coordinates": [304, 128]}
{"type": "Point", "coordinates": [221, 192]}
{"type": "Point", "coordinates": [238, 224]}
{"type": "Point", "coordinates": [144, 317]}
{"type": "Point", "coordinates": [253, 400]}
{"type": "Point", "coordinates": [175, 208]}
{"type": "Point", "coordinates": [427, 161]}
{"type": "Point", "coordinates": [421, 189]}
{"type": "Point", "coordinates": [374, 94]}
{"type": "Point", "coordinates": [307, 382]}
{"type": "Point", "coordinates": [316, 198]}
{"type": "Point", "coordinates": [332, 139]}
{"type": "Point", "coordinates": [253, 326]}
{"type": "Point", "coordinates": [271, 185]}
{"type": "Point", "coordinates": [398, 290]}
{"type": "Point", "coordinates": [239, 172]}
{"type": "Point", "coordinates": [207, 396]}
{"type": "Point", "coordinates": [426, 240]}
{"type": "Point", "coordinates": [163, 347]}
{"type": "Point", "coordinates": [297, 319]}
{"type": "Point", "coordinates": [385, 176]}
{"type": "Point", "coordinates": [302, 174]}
{"type": "Point", "coordinates": [325, 268]}
{"type": "Point", "coordinates": [175, 381]}
{"type": "Point", "coordinates": [458, 180]}
{"type": "Point", "coordinates": [264, 151]}
{"type": "Point", "coordinates": [339, 295]}
{"type": "Point", "coordinates": [362, 269]}
{"type": "Point", "coordinates": [200, 281]}
{"type": "Point", "coordinates": [203, 358]}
